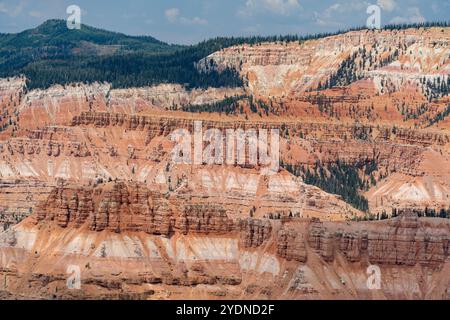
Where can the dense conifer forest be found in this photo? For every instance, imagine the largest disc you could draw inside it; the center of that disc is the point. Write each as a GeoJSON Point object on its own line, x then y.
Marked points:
{"type": "Point", "coordinates": [52, 54]}
{"type": "Point", "coordinates": [340, 178]}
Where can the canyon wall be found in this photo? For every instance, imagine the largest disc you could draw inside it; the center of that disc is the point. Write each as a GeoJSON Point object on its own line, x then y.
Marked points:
{"type": "Point", "coordinates": [88, 182]}
{"type": "Point", "coordinates": [186, 250]}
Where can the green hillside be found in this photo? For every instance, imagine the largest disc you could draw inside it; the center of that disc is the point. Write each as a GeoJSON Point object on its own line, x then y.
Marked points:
{"type": "Point", "coordinates": [53, 54]}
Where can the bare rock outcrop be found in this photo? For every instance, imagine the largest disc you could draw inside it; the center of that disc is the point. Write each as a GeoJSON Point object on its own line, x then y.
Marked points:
{"type": "Point", "coordinates": [402, 241]}
{"type": "Point", "coordinates": [291, 245]}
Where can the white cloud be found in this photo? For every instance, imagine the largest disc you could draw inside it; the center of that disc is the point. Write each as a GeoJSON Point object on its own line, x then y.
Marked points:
{"type": "Point", "coordinates": [413, 15]}
{"type": "Point", "coordinates": [195, 20]}
{"type": "Point", "coordinates": [333, 15]}
{"type": "Point", "coordinates": [337, 7]}
{"type": "Point", "coordinates": [173, 15]}
{"type": "Point", "coordinates": [3, 8]}
{"type": "Point", "coordinates": [345, 7]}
{"type": "Point", "coordinates": [35, 14]}
{"type": "Point", "coordinates": [387, 5]}
{"type": "Point", "coordinates": [12, 11]}
{"type": "Point", "coordinates": [280, 7]}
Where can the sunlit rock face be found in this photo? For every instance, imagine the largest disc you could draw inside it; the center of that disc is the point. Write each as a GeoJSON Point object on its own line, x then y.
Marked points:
{"type": "Point", "coordinates": [396, 58]}
{"type": "Point", "coordinates": [88, 181]}
{"type": "Point", "coordinates": [131, 239]}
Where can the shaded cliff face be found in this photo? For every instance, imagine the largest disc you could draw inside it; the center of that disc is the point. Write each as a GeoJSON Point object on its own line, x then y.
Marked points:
{"type": "Point", "coordinates": [133, 242]}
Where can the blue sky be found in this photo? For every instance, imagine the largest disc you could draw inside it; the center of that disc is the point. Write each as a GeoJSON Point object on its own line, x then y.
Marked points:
{"type": "Point", "coordinates": [190, 21]}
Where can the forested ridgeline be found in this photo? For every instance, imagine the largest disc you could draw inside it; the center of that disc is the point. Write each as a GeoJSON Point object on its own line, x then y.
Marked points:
{"type": "Point", "coordinates": [53, 54]}
{"type": "Point", "coordinates": [395, 212]}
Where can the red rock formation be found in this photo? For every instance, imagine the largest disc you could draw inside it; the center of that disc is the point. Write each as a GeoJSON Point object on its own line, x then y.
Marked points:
{"type": "Point", "coordinates": [114, 207]}
{"type": "Point", "coordinates": [164, 229]}
{"type": "Point", "coordinates": [207, 247]}
{"type": "Point", "coordinates": [254, 232]}
{"type": "Point", "coordinates": [291, 245]}
{"type": "Point", "coordinates": [117, 207]}
{"type": "Point", "coordinates": [404, 241]}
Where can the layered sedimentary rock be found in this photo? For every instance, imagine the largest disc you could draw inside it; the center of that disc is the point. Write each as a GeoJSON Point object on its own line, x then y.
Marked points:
{"type": "Point", "coordinates": [91, 167]}
{"type": "Point", "coordinates": [120, 208]}
{"type": "Point", "coordinates": [406, 242]}
{"type": "Point", "coordinates": [402, 241]}
{"type": "Point", "coordinates": [160, 125]}
{"type": "Point", "coordinates": [127, 255]}
{"type": "Point", "coordinates": [398, 57]}
{"type": "Point", "coordinates": [18, 199]}
{"type": "Point", "coordinates": [117, 207]}
{"type": "Point", "coordinates": [291, 245]}
{"type": "Point", "coordinates": [83, 153]}
{"type": "Point", "coordinates": [426, 182]}
{"type": "Point", "coordinates": [168, 96]}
